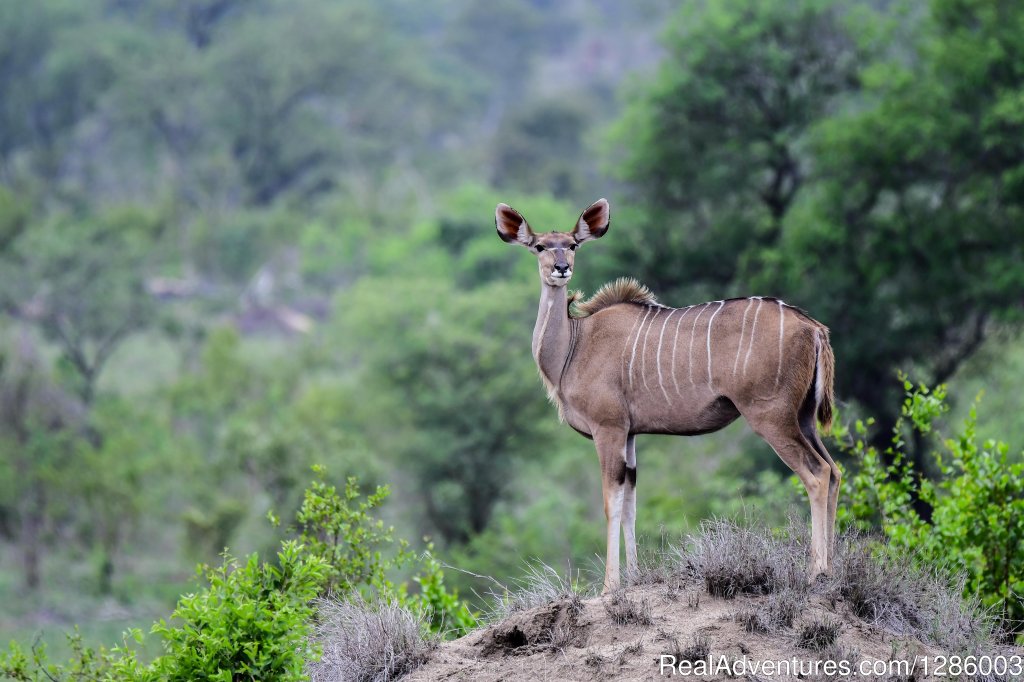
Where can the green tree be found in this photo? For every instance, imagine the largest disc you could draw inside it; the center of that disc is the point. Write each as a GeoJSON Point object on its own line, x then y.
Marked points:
{"type": "Point", "coordinates": [919, 219]}
{"type": "Point", "coordinates": [716, 145]}
{"type": "Point", "coordinates": [540, 148]}
{"type": "Point", "coordinates": [461, 402]}
{"type": "Point", "coordinates": [81, 281]}
{"type": "Point", "coordinates": [881, 194]}
{"type": "Point", "coordinates": [53, 72]}
{"type": "Point", "coordinates": [41, 427]}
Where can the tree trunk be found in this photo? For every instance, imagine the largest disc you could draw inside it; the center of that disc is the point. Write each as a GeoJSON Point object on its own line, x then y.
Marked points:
{"type": "Point", "coordinates": [31, 532]}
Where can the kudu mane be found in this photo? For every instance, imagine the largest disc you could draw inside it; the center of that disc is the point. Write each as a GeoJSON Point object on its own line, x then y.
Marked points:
{"type": "Point", "coordinates": [622, 290]}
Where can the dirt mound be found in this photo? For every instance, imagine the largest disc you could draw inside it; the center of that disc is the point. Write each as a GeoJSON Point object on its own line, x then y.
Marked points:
{"type": "Point", "coordinates": [655, 631]}
{"type": "Point", "coordinates": [733, 602]}
{"type": "Point", "coordinates": [545, 628]}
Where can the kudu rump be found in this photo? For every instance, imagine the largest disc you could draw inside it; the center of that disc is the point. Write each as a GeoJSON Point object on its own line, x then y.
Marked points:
{"type": "Point", "coordinates": [621, 364]}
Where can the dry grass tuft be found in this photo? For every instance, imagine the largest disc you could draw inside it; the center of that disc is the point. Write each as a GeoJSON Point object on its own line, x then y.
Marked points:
{"type": "Point", "coordinates": [846, 657]}
{"type": "Point", "coordinates": [626, 611]}
{"type": "Point", "coordinates": [568, 632]}
{"type": "Point", "coordinates": [894, 594]}
{"type": "Point", "coordinates": [819, 635]}
{"type": "Point", "coordinates": [773, 613]}
{"type": "Point", "coordinates": [732, 559]}
{"type": "Point", "coordinates": [628, 652]}
{"type": "Point", "coordinates": [698, 649]}
{"type": "Point", "coordinates": [364, 641]}
{"type": "Point", "coordinates": [542, 585]}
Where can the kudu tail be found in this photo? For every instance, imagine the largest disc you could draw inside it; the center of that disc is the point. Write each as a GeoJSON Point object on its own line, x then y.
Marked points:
{"type": "Point", "coordinates": [824, 376]}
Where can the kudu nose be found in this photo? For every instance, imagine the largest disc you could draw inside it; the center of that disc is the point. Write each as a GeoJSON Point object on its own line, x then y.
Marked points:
{"type": "Point", "coordinates": [562, 268]}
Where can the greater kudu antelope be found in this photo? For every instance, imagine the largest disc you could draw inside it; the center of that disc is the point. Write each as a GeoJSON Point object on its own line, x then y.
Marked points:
{"type": "Point", "coordinates": [621, 364]}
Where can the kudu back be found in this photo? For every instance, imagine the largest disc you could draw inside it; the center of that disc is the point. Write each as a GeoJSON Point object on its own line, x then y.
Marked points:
{"type": "Point", "coordinates": [622, 364]}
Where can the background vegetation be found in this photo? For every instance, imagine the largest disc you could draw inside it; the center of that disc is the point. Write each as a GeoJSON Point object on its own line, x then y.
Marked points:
{"type": "Point", "coordinates": [242, 237]}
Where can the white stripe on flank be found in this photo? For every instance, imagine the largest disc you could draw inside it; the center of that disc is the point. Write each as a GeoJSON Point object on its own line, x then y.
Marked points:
{"type": "Point", "coordinates": [643, 353]}
{"type": "Point", "coordinates": [658, 358]}
{"type": "Point", "coordinates": [633, 356]}
{"type": "Point", "coordinates": [675, 346]}
{"type": "Point", "coordinates": [782, 321]}
{"type": "Point", "coordinates": [743, 332]}
{"type": "Point", "coordinates": [693, 334]}
{"type": "Point", "coordinates": [721, 304]}
{"type": "Point", "coordinates": [753, 328]}
{"type": "Point", "coordinates": [625, 347]}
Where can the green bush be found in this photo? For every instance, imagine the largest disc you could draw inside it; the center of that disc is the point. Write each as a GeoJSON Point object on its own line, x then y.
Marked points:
{"type": "Point", "coordinates": [251, 622]}
{"type": "Point", "coordinates": [977, 501]}
{"type": "Point", "coordinates": [359, 552]}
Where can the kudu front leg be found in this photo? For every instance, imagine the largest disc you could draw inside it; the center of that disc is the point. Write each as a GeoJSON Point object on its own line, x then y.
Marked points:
{"type": "Point", "coordinates": [629, 508]}
{"type": "Point", "coordinates": [611, 451]}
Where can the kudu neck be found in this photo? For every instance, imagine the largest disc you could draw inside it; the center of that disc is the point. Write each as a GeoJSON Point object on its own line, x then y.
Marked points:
{"type": "Point", "coordinates": [551, 334]}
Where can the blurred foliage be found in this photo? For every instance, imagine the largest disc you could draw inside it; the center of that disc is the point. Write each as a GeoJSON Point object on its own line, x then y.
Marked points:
{"type": "Point", "coordinates": [81, 282]}
{"type": "Point", "coordinates": [460, 407]}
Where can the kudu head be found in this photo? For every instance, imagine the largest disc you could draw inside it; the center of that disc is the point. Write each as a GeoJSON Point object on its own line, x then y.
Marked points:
{"type": "Point", "coordinates": [555, 251]}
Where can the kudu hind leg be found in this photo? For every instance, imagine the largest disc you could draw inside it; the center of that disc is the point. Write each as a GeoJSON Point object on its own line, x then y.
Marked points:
{"type": "Point", "coordinates": [611, 450]}
{"type": "Point", "coordinates": [834, 482]}
{"type": "Point", "coordinates": [815, 473]}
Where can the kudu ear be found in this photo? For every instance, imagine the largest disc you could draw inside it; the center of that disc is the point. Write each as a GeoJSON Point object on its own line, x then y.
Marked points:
{"type": "Point", "coordinates": [593, 222]}
{"type": "Point", "coordinates": [512, 226]}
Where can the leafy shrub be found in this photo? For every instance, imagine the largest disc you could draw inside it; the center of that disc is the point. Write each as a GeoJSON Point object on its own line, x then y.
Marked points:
{"type": "Point", "coordinates": [338, 528]}
{"type": "Point", "coordinates": [359, 551]}
{"type": "Point", "coordinates": [251, 622]}
{"type": "Point", "coordinates": [977, 521]}
{"type": "Point", "coordinates": [446, 613]}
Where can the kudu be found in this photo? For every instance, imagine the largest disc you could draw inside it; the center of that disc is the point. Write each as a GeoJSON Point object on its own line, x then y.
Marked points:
{"type": "Point", "coordinates": [621, 364]}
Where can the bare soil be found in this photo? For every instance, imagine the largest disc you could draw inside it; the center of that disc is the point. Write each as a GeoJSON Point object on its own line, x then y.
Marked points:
{"type": "Point", "coordinates": [579, 640]}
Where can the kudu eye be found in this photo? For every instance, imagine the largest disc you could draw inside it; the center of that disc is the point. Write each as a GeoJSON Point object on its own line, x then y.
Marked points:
{"type": "Point", "coordinates": [540, 247]}
{"type": "Point", "coordinates": [572, 247]}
